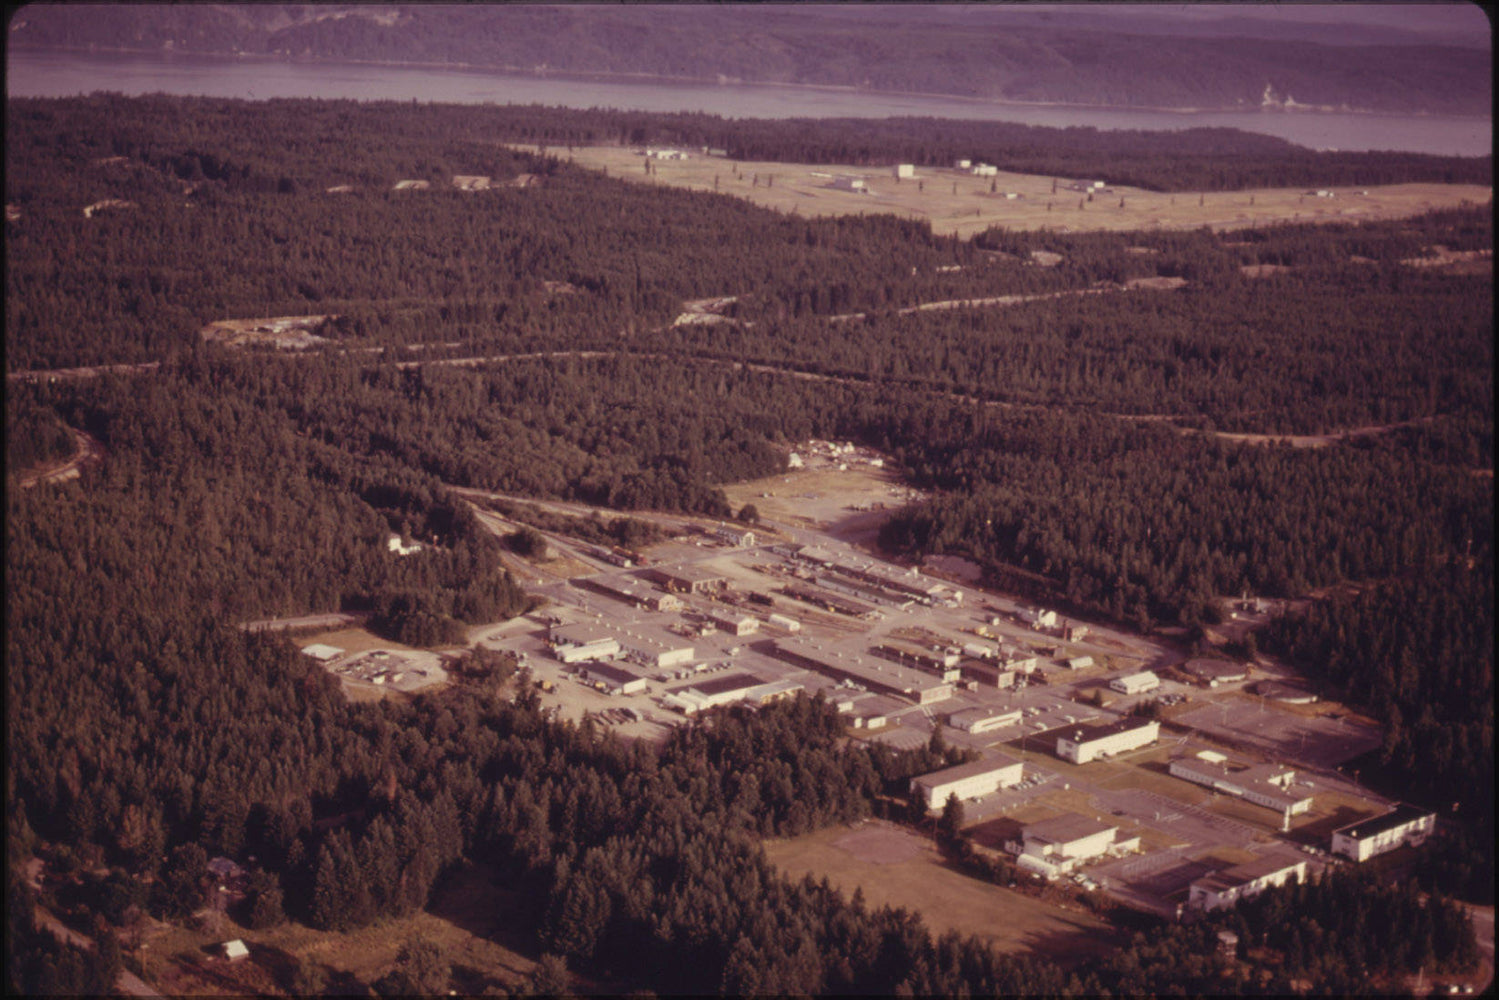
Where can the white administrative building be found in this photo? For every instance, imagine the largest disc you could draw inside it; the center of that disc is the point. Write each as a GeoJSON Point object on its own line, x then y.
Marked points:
{"type": "Point", "coordinates": [1087, 743]}
{"type": "Point", "coordinates": [1367, 838]}
{"type": "Point", "coordinates": [968, 781]}
{"type": "Point", "coordinates": [1057, 845]}
{"type": "Point", "coordinates": [1225, 888]}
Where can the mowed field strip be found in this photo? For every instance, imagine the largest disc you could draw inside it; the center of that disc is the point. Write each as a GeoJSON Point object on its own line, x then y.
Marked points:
{"type": "Point", "coordinates": [956, 202]}
{"type": "Point", "coordinates": [896, 868]}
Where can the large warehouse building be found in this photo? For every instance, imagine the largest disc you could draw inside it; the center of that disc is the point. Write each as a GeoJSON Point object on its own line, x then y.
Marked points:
{"type": "Point", "coordinates": [1370, 837]}
{"type": "Point", "coordinates": [876, 675]}
{"type": "Point", "coordinates": [968, 781]}
{"type": "Point", "coordinates": [1087, 743]}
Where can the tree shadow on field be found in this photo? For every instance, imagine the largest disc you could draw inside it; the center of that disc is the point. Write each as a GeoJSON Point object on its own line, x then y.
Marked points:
{"type": "Point", "coordinates": [478, 899]}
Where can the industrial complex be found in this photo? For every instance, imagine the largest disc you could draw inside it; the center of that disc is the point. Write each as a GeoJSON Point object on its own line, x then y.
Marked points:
{"type": "Point", "coordinates": [1107, 759]}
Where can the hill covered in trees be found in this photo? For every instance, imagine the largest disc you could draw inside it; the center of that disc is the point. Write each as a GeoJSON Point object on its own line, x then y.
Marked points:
{"type": "Point", "coordinates": [994, 52]}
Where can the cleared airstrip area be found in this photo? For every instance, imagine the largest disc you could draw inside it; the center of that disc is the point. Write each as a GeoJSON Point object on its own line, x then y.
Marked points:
{"type": "Point", "coordinates": [955, 201]}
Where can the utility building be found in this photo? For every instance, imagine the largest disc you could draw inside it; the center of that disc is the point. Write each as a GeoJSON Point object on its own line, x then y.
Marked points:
{"type": "Point", "coordinates": [1088, 743]}
{"type": "Point", "coordinates": [968, 781]}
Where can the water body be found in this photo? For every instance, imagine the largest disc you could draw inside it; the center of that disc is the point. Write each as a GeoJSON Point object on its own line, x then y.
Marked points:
{"type": "Point", "coordinates": [54, 74]}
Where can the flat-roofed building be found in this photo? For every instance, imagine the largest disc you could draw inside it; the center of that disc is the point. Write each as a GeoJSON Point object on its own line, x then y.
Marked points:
{"type": "Point", "coordinates": [1226, 888]}
{"type": "Point", "coordinates": [661, 650]}
{"type": "Point", "coordinates": [703, 695]}
{"type": "Point", "coordinates": [614, 680]}
{"type": "Point", "coordinates": [940, 662]}
{"type": "Point", "coordinates": [1139, 683]}
{"type": "Point", "coordinates": [576, 643]}
{"type": "Point", "coordinates": [1405, 824]}
{"type": "Point", "coordinates": [1268, 785]}
{"type": "Point", "coordinates": [1079, 663]}
{"type": "Point", "coordinates": [968, 781]}
{"type": "Point", "coordinates": [1067, 840]}
{"type": "Point", "coordinates": [985, 719]}
{"type": "Point", "coordinates": [884, 677]}
{"type": "Point", "coordinates": [322, 652]}
{"type": "Point", "coordinates": [1086, 743]}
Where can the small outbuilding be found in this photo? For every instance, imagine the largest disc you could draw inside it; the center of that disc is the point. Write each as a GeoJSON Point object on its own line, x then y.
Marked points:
{"type": "Point", "coordinates": [234, 950]}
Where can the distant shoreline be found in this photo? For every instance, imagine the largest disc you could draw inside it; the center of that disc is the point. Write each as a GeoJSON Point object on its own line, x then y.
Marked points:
{"type": "Point", "coordinates": [1304, 110]}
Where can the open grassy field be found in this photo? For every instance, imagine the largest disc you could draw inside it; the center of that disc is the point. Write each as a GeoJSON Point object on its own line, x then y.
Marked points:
{"type": "Point", "coordinates": [896, 868]}
{"type": "Point", "coordinates": [958, 203]}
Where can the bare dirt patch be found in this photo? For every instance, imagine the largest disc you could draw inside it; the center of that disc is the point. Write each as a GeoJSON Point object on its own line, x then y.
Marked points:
{"type": "Point", "coordinates": [286, 333]}
{"type": "Point", "coordinates": [960, 203]}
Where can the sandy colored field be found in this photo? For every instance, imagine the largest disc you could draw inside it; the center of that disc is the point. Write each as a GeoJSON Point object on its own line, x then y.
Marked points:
{"type": "Point", "coordinates": [946, 899]}
{"type": "Point", "coordinates": [959, 203]}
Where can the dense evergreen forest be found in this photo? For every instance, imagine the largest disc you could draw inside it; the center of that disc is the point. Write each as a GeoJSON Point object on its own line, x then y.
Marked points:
{"type": "Point", "coordinates": [143, 724]}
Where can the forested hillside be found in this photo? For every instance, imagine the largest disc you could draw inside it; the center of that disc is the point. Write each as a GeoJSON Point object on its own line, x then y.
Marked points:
{"type": "Point", "coordinates": [1097, 58]}
{"type": "Point", "coordinates": [239, 482]}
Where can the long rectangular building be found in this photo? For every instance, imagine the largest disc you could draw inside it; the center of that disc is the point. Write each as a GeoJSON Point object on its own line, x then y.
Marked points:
{"type": "Point", "coordinates": [968, 781]}
{"type": "Point", "coordinates": [1265, 785]}
{"type": "Point", "coordinates": [888, 678]}
{"type": "Point", "coordinates": [1086, 743]}
{"type": "Point", "coordinates": [1367, 838]}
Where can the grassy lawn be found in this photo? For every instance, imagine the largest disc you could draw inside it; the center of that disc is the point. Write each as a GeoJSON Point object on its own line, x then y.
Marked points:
{"type": "Point", "coordinates": [946, 899]}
